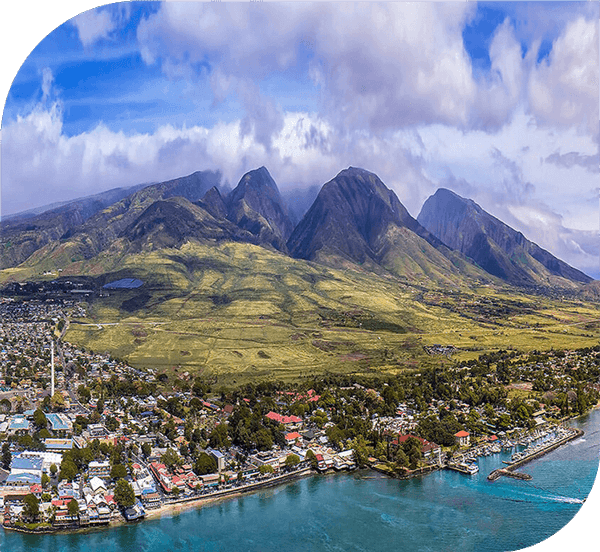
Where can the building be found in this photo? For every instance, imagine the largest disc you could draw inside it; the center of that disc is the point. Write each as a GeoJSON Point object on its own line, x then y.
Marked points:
{"type": "Point", "coordinates": [59, 422]}
{"type": "Point", "coordinates": [219, 457]}
{"type": "Point", "coordinates": [48, 458]}
{"type": "Point", "coordinates": [58, 445]}
{"type": "Point", "coordinates": [429, 449]}
{"type": "Point", "coordinates": [99, 469]}
{"type": "Point", "coordinates": [18, 425]}
{"type": "Point", "coordinates": [462, 438]}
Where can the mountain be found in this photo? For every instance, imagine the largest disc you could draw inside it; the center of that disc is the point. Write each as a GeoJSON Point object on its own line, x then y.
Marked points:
{"type": "Point", "coordinates": [213, 202]}
{"type": "Point", "coordinates": [171, 222]}
{"type": "Point", "coordinates": [257, 206]}
{"type": "Point", "coordinates": [496, 247]}
{"type": "Point", "coordinates": [24, 233]}
{"type": "Point", "coordinates": [356, 219]}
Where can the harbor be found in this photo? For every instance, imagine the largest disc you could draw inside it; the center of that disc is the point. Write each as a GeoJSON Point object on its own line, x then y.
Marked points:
{"type": "Point", "coordinates": [537, 443]}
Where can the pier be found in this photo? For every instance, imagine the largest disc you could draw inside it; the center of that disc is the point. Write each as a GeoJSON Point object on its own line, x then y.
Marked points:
{"type": "Point", "coordinates": [573, 433]}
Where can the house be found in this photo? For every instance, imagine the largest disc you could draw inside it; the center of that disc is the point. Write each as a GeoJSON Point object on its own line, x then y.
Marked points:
{"type": "Point", "coordinates": [18, 425]}
{"type": "Point", "coordinates": [283, 419]}
{"type": "Point", "coordinates": [429, 449]}
{"type": "Point", "coordinates": [99, 469]}
{"type": "Point", "coordinates": [36, 490]}
{"type": "Point", "coordinates": [462, 438]}
{"type": "Point", "coordinates": [24, 471]}
{"type": "Point", "coordinates": [150, 499]}
{"type": "Point", "coordinates": [97, 486]}
{"type": "Point", "coordinates": [292, 437]}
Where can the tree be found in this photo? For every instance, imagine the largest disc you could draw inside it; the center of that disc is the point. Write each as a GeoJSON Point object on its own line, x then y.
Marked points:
{"type": "Point", "coordinates": [57, 401]}
{"type": "Point", "coordinates": [218, 437]}
{"type": "Point", "coordinates": [170, 458]}
{"type": "Point", "coordinates": [175, 491]}
{"type": "Point", "coordinates": [31, 507]}
{"type": "Point", "coordinates": [124, 494]}
{"type": "Point", "coordinates": [45, 480]}
{"type": "Point", "coordinates": [118, 471]}
{"type": "Point", "coordinates": [73, 507]}
{"type": "Point", "coordinates": [292, 461]}
{"type": "Point", "coordinates": [5, 406]}
{"type": "Point", "coordinates": [39, 419]}
{"type": "Point", "coordinates": [84, 394]}
{"type": "Point", "coordinates": [146, 449]}
{"type": "Point", "coordinates": [53, 469]}
{"type": "Point", "coordinates": [68, 470]}
{"type": "Point", "coordinates": [312, 458]}
{"type": "Point", "coordinates": [264, 439]}
{"type": "Point", "coordinates": [6, 456]}
{"type": "Point", "coordinates": [265, 469]}
{"type": "Point", "coordinates": [205, 464]}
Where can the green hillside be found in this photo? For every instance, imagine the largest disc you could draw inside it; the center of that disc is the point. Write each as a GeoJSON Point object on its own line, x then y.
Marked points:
{"type": "Point", "coordinates": [238, 312]}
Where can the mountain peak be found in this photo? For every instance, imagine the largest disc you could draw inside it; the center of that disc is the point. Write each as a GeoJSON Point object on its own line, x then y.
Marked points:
{"type": "Point", "coordinates": [499, 249]}
{"type": "Point", "coordinates": [257, 206]}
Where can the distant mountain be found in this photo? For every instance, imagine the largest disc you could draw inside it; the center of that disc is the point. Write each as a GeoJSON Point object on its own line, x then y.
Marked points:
{"type": "Point", "coordinates": [496, 247]}
{"type": "Point", "coordinates": [169, 223]}
{"type": "Point", "coordinates": [24, 233]}
{"type": "Point", "coordinates": [357, 219]}
{"type": "Point", "coordinates": [257, 206]}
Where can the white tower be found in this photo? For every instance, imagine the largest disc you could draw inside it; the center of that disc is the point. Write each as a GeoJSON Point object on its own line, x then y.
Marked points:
{"type": "Point", "coordinates": [52, 369]}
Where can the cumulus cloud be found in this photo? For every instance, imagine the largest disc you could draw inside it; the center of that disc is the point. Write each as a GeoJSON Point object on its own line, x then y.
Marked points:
{"type": "Point", "coordinates": [563, 90]}
{"type": "Point", "coordinates": [381, 65]}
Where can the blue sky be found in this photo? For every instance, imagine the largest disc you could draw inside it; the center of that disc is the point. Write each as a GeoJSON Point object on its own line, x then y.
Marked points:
{"type": "Point", "coordinates": [498, 101]}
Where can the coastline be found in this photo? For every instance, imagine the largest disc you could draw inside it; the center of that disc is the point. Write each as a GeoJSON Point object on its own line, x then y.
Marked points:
{"type": "Point", "coordinates": [173, 508]}
{"type": "Point", "coordinates": [167, 510]}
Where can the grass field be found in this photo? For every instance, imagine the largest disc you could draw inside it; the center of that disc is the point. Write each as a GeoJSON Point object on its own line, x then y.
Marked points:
{"type": "Point", "coordinates": [239, 313]}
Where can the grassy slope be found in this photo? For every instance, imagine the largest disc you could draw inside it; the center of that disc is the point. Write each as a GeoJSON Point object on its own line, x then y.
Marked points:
{"type": "Point", "coordinates": [239, 312]}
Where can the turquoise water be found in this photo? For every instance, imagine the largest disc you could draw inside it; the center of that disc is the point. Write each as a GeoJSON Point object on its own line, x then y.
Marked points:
{"type": "Point", "coordinates": [367, 512]}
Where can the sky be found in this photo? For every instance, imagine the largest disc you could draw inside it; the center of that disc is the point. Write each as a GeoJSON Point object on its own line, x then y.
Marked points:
{"type": "Point", "coordinates": [496, 101]}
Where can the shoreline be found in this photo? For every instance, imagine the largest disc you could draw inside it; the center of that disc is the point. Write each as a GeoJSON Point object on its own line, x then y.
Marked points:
{"type": "Point", "coordinates": [168, 510]}
{"type": "Point", "coordinates": [173, 508]}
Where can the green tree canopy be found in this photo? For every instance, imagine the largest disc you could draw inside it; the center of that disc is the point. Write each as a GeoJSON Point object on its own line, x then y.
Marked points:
{"type": "Point", "coordinates": [124, 494]}
{"type": "Point", "coordinates": [68, 470]}
{"type": "Point", "coordinates": [118, 471]}
{"type": "Point", "coordinates": [73, 507]}
{"type": "Point", "coordinates": [292, 460]}
{"type": "Point", "coordinates": [205, 463]}
{"type": "Point", "coordinates": [39, 419]}
{"type": "Point", "coordinates": [31, 505]}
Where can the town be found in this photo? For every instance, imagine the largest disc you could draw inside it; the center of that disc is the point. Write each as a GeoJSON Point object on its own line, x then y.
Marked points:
{"type": "Point", "coordinates": [89, 440]}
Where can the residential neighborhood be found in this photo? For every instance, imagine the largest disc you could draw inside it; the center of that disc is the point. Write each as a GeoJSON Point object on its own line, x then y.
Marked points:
{"type": "Point", "coordinates": [115, 443]}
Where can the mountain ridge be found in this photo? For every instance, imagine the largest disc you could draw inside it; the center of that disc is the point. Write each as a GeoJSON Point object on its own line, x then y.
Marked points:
{"type": "Point", "coordinates": [355, 222]}
{"type": "Point", "coordinates": [499, 249]}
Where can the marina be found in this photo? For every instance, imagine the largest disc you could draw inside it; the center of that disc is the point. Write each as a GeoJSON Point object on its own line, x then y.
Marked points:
{"type": "Point", "coordinates": [537, 443]}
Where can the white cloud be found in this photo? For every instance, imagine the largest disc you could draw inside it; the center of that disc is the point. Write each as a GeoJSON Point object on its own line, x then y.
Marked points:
{"type": "Point", "coordinates": [563, 90]}
{"type": "Point", "coordinates": [99, 23]}
{"type": "Point", "coordinates": [47, 80]}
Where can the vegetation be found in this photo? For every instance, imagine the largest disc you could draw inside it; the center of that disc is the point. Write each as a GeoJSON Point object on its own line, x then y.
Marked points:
{"type": "Point", "coordinates": [311, 321]}
{"type": "Point", "coordinates": [124, 495]}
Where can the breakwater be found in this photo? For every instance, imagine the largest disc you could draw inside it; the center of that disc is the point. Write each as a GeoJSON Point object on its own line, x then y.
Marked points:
{"type": "Point", "coordinates": [573, 433]}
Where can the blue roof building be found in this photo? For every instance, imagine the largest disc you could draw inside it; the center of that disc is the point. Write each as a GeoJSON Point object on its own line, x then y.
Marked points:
{"type": "Point", "coordinates": [18, 423]}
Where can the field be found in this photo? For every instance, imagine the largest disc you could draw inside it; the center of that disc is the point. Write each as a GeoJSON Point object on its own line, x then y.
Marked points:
{"type": "Point", "coordinates": [238, 313]}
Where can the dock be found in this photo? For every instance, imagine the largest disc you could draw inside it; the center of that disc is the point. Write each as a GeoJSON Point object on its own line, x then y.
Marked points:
{"type": "Point", "coordinates": [574, 433]}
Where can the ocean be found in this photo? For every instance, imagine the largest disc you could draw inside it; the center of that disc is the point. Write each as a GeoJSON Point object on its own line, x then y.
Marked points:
{"type": "Point", "coordinates": [365, 511]}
